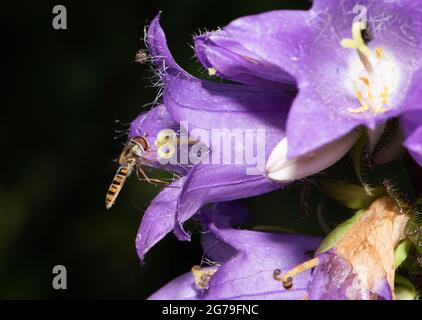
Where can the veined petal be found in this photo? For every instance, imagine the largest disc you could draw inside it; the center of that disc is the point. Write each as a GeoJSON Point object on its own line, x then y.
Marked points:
{"type": "Point", "coordinates": [244, 50]}
{"type": "Point", "coordinates": [412, 121]}
{"type": "Point", "coordinates": [249, 274]}
{"type": "Point", "coordinates": [222, 53]}
{"type": "Point", "coordinates": [210, 105]}
{"type": "Point", "coordinates": [151, 122]}
{"type": "Point", "coordinates": [158, 219]}
{"type": "Point", "coordinates": [216, 183]}
{"type": "Point", "coordinates": [312, 127]}
{"type": "Point", "coordinates": [333, 91]}
{"type": "Point", "coordinates": [414, 144]}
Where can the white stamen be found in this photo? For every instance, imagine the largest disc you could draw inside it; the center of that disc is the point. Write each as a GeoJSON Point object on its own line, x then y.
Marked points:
{"type": "Point", "coordinates": [281, 169]}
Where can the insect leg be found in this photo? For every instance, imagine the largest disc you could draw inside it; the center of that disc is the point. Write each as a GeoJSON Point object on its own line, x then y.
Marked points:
{"type": "Point", "coordinates": [146, 178]}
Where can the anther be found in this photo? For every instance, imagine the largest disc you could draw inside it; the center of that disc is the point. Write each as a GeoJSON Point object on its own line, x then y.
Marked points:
{"type": "Point", "coordinates": [141, 57]}
{"type": "Point", "coordinates": [212, 72]}
{"type": "Point", "coordinates": [378, 52]}
{"type": "Point", "coordinates": [287, 278]}
{"type": "Point", "coordinates": [365, 81]}
{"type": "Point", "coordinates": [202, 277]}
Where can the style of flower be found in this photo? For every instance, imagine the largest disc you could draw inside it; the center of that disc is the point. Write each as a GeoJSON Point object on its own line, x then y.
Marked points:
{"type": "Point", "coordinates": [243, 261]}
{"type": "Point", "coordinates": [356, 64]}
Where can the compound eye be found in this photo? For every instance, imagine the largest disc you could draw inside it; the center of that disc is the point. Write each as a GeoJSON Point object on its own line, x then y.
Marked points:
{"type": "Point", "coordinates": [142, 142]}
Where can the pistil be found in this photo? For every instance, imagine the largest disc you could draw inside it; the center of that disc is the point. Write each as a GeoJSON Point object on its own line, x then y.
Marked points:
{"type": "Point", "coordinates": [358, 43]}
{"type": "Point", "coordinates": [369, 88]}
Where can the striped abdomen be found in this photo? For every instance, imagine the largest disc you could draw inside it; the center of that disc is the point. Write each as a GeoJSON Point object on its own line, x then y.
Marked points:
{"type": "Point", "coordinates": [117, 183]}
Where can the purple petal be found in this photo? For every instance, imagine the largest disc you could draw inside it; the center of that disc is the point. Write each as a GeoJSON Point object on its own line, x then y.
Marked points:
{"type": "Point", "coordinates": [151, 122]}
{"type": "Point", "coordinates": [158, 219]}
{"type": "Point", "coordinates": [181, 288]}
{"type": "Point", "coordinates": [412, 121]}
{"type": "Point", "coordinates": [249, 275]}
{"type": "Point", "coordinates": [207, 105]}
{"type": "Point", "coordinates": [414, 141]}
{"type": "Point", "coordinates": [223, 215]}
{"type": "Point", "coordinates": [216, 183]}
{"type": "Point", "coordinates": [308, 48]}
{"type": "Point", "coordinates": [157, 46]}
{"type": "Point", "coordinates": [244, 50]}
{"type": "Point", "coordinates": [226, 214]}
{"type": "Point", "coordinates": [216, 250]}
{"type": "Point", "coordinates": [246, 272]}
{"type": "Point", "coordinates": [220, 51]}
{"type": "Point", "coordinates": [304, 133]}
{"type": "Point", "coordinates": [335, 279]}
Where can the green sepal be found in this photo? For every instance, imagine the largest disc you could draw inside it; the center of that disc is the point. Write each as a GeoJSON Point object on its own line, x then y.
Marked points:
{"type": "Point", "coordinates": [413, 232]}
{"type": "Point", "coordinates": [404, 289]}
{"type": "Point", "coordinates": [338, 233]}
{"type": "Point", "coordinates": [350, 195]}
{"type": "Point", "coordinates": [401, 251]}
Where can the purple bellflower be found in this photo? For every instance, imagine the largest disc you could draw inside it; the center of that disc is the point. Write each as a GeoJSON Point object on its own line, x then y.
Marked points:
{"type": "Point", "coordinates": [243, 261]}
{"type": "Point", "coordinates": [202, 105]}
{"type": "Point", "coordinates": [412, 125]}
{"type": "Point", "coordinates": [356, 64]}
{"type": "Point", "coordinates": [196, 185]}
{"type": "Point", "coordinates": [258, 113]}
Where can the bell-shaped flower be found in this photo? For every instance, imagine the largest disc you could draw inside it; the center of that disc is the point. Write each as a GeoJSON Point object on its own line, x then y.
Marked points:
{"type": "Point", "coordinates": [356, 64]}
{"type": "Point", "coordinates": [243, 261]}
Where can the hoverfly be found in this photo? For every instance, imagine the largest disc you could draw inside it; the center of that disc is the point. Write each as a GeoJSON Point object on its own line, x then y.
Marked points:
{"type": "Point", "coordinates": [129, 160]}
{"type": "Point", "coordinates": [135, 153]}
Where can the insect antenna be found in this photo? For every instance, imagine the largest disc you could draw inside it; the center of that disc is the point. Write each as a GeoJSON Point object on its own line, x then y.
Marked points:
{"type": "Point", "coordinates": [125, 124]}
{"type": "Point", "coordinates": [120, 135]}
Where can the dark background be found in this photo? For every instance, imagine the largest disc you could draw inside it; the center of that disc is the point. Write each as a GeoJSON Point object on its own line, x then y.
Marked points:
{"type": "Point", "coordinates": [62, 92]}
